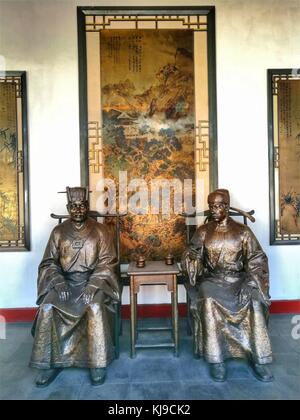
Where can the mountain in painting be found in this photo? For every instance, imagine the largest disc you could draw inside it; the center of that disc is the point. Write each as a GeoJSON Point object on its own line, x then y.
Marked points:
{"type": "Point", "coordinates": [171, 94]}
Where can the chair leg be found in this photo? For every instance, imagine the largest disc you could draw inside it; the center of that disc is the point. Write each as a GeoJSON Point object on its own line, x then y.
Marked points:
{"type": "Point", "coordinates": [195, 344]}
{"type": "Point", "coordinates": [117, 331]}
{"type": "Point", "coordinates": [195, 350]}
{"type": "Point", "coordinates": [120, 320]}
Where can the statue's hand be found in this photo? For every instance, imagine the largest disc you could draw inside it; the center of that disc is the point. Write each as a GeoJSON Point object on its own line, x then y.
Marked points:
{"type": "Point", "coordinates": [192, 271]}
{"type": "Point", "coordinates": [89, 294]}
{"type": "Point", "coordinates": [245, 294]}
{"type": "Point", "coordinates": [193, 254]}
{"type": "Point", "coordinates": [63, 291]}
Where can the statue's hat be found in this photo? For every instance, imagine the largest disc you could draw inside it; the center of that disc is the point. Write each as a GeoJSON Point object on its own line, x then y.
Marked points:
{"type": "Point", "coordinates": [220, 192]}
{"type": "Point", "coordinates": [77, 194]}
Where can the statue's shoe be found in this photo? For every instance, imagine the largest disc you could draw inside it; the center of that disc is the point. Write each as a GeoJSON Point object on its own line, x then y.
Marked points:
{"type": "Point", "coordinates": [98, 376]}
{"type": "Point", "coordinates": [46, 377]}
{"type": "Point", "coordinates": [262, 372]}
{"type": "Point", "coordinates": [218, 372]}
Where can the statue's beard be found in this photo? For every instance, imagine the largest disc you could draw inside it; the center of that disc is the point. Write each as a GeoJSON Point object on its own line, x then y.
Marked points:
{"type": "Point", "coordinates": [79, 218]}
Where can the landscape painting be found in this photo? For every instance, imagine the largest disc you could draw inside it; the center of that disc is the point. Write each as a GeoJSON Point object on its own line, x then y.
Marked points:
{"type": "Point", "coordinates": [289, 155]}
{"type": "Point", "coordinates": [148, 114]}
{"type": "Point", "coordinates": [9, 214]}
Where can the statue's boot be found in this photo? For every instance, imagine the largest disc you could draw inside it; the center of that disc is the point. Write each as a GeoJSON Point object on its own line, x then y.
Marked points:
{"type": "Point", "coordinates": [262, 372]}
{"type": "Point", "coordinates": [98, 376]}
{"type": "Point", "coordinates": [218, 372]}
{"type": "Point", "coordinates": [46, 377]}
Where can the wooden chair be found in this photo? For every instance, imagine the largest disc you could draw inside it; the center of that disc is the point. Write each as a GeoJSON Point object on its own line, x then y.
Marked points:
{"type": "Point", "coordinates": [191, 292]}
{"type": "Point", "coordinates": [117, 306]}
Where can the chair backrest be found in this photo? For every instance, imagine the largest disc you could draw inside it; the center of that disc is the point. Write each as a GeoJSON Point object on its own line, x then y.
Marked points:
{"type": "Point", "coordinates": [190, 230]}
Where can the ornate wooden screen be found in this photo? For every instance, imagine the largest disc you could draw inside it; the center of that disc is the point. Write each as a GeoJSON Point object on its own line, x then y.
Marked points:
{"type": "Point", "coordinates": [284, 146]}
{"type": "Point", "coordinates": [148, 109]}
{"type": "Point", "coordinates": [14, 206]}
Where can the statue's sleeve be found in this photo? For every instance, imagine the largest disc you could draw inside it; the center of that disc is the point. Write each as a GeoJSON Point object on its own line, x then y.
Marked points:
{"type": "Point", "coordinates": [104, 276]}
{"type": "Point", "coordinates": [50, 273]}
{"type": "Point", "coordinates": [192, 259]}
{"type": "Point", "coordinates": [257, 266]}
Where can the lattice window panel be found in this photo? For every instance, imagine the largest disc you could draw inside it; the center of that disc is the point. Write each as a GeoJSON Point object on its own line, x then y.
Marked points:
{"type": "Point", "coordinates": [99, 23]}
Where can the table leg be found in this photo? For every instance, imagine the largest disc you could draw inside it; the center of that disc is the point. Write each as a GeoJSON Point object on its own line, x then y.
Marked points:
{"type": "Point", "coordinates": [173, 316]}
{"type": "Point", "coordinates": [133, 317]}
{"type": "Point", "coordinates": [176, 321]}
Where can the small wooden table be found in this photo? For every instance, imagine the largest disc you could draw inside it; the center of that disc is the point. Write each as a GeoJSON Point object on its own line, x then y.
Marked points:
{"type": "Point", "coordinates": [154, 273]}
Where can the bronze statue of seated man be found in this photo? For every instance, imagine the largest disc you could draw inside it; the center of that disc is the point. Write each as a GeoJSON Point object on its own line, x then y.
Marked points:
{"type": "Point", "coordinates": [77, 285]}
{"type": "Point", "coordinates": [228, 268]}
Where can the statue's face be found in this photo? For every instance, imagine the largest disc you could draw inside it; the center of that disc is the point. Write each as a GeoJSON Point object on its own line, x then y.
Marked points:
{"type": "Point", "coordinates": [218, 208]}
{"type": "Point", "coordinates": [78, 211]}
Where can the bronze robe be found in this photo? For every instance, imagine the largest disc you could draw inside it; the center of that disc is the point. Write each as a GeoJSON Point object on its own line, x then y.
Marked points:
{"type": "Point", "coordinates": [72, 333]}
{"type": "Point", "coordinates": [229, 257]}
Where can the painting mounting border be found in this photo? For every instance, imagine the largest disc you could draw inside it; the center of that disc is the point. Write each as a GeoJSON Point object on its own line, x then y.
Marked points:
{"type": "Point", "coordinates": [276, 238]}
{"type": "Point", "coordinates": [23, 243]}
{"type": "Point", "coordinates": [208, 11]}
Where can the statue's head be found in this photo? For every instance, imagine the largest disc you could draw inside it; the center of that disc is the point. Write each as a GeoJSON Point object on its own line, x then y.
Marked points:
{"type": "Point", "coordinates": [78, 203]}
{"type": "Point", "coordinates": [219, 204]}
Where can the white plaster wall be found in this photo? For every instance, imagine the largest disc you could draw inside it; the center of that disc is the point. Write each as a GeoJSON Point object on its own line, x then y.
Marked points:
{"type": "Point", "coordinates": [40, 36]}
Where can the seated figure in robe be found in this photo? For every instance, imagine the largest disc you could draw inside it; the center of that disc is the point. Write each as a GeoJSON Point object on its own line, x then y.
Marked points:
{"type": "Point", "coordinates": [77, 286]}
{"type": "Point", "coordinates": [229, 270]}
